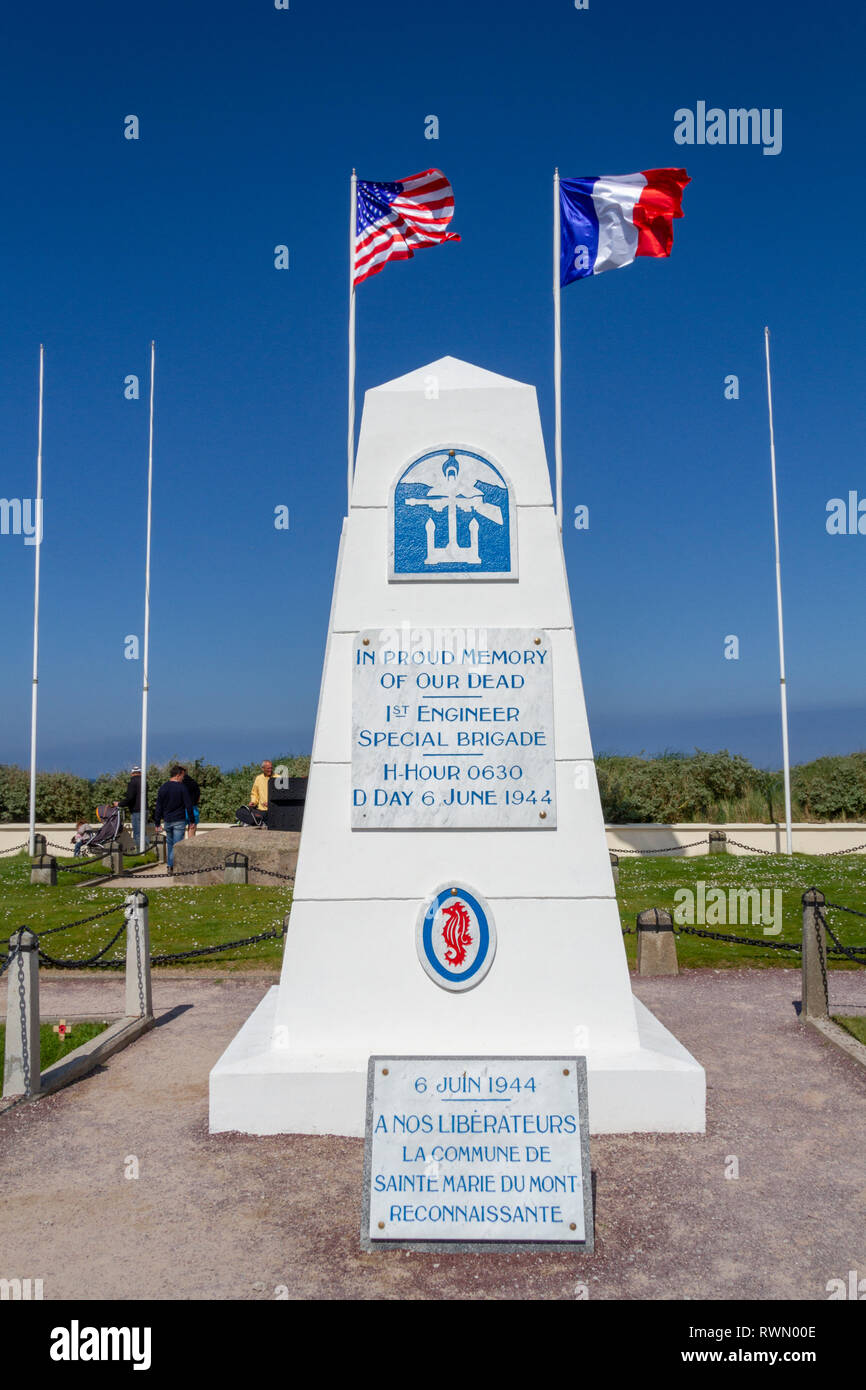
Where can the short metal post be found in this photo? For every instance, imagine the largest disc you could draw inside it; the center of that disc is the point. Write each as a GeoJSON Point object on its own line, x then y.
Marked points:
{"type": "Point", "coordinates": [237, 868]}
{"type": "Point", "coordinates": [656, 943]}
{"type": "Point", "coordinates": [614, 867]}
{"type": "Point", "coordinates": [161, 851]}
{"type": "Point", "coordinates": [43, 869]}
{"type": "Point", "coordinates": [22, 1073]}
{"type": "Point", "coordinates": [718, 842]}
{"type": "Point", "coordinates": [816, 995]}
{"type": "Point", "coordinates": [139, 997]}
{"type": "Point", "coordinates": [40, 845]}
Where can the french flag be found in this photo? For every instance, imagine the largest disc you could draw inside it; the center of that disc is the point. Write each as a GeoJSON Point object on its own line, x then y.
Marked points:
{"type": "Point", "coordinates": [605, 222]}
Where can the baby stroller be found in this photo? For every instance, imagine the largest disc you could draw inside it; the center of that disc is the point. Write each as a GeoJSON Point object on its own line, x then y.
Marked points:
{"type": "Point", "coordinates": [110, 825]}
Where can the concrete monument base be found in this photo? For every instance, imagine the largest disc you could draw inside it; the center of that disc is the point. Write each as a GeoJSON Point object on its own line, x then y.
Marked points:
{"type": "Point", "coordinates": [276, 850]}
{"type": "Point", "coordinates": [655, 1087]}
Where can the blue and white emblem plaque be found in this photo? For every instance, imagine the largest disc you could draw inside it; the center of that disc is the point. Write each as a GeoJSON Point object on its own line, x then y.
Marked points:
{"type": "Point", "coordinates": [456, 937]}
{"type": "Point", "coordinates": [452, 514]}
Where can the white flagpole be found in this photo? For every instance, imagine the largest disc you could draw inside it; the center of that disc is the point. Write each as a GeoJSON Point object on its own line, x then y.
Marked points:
{"type": "Point", "coordinates": [145, 685]}
{"type": "Point", "coordinates": [38, 533]}
{"type": "Point", "coordinates": [353, 222]}
{"type": "Point", "coordinates": [557, 350]}
{"type": "Point", "coordinates": [782, 683]}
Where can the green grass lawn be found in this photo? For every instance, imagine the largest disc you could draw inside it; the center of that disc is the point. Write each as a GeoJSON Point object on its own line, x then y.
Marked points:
{"type": "Point", "coordinates": [653, 882]}
{"type": "Point", "coordinates": [180, 918]}
{"type": "Point", "coordinates": [855, 1025]}
{"type": "Point", "coordinates": [52, 1047]}
{"type": "Point", "coordinates": [183, 918]}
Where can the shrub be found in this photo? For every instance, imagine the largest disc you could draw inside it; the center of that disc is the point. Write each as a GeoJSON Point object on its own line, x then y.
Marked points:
{"type": "Point", "coordinates": [832, 788]}
{"type": "Point", "coordinates": [675, 786]}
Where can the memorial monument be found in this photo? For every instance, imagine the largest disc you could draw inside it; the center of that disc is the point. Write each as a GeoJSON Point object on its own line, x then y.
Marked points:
{"type": "Point", "coordinates": [453, 891]}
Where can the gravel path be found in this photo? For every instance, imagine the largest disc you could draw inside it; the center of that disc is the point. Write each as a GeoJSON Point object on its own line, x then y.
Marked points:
{"type": "Point", "coordinates": [234, 1217]}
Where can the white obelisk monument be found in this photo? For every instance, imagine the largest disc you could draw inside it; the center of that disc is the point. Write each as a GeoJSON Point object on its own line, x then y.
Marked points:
{"type": "Point", "coordinates": [453, 891]}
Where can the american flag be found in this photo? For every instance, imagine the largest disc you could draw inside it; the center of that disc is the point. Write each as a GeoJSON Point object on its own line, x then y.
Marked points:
{"type": "Point", "coordinates": [396, 219]}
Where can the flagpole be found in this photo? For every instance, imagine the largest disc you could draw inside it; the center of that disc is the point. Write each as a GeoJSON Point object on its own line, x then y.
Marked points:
{"type": "Point", "coordinates": [38, 533]}
{"type": "Point", "coordinates": [353, 223]}
{"type": "Point", "coordinates": [782, 682]}
{"type": "Point", "coordinates": [557, 349]}
{"type": "Point", "coordinates": [145, 685]}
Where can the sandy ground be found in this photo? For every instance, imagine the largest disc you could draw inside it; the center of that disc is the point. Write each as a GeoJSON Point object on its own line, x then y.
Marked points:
{"type": "Point", "coordinates": [235, 1217]}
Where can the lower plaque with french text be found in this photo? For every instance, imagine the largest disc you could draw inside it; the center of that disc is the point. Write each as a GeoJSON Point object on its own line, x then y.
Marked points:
{"type": "Point", "coordinates": [477, 1153]}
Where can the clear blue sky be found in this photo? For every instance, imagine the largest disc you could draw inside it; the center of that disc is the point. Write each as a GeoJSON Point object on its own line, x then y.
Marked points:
{"type": "Point", "coordinates": [251, 120]}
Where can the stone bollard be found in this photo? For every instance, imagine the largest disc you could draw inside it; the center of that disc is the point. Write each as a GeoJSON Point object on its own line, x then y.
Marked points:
{"type": "Point", "coordinates": [718, 842]}
{"type": "Point", "coordinates": [656, 945]}
{"type": "Point", "coordinates": [43, 869]}
{"type": "Point", "coordinates": [237, 868]}
{"type": "Point", "coordinates": [40, 845]}
{"type": "Point", "coordinates": [161, 851]}
{"type": "Point", "coordinates": [21, 1064]}
{"type": "Point", "coordinates": [114, 859]}
{"type": "Point", "coordinates": [139, 997]}
{"type": "Point", "coordinates": [614, 867]}
{"type": "Point", "coordinates": [815, 1002]}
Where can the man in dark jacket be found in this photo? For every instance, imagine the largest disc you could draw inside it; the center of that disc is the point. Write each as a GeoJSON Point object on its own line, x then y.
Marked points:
{"type": "Point", "coordinates": [174, 808]}
{"type": "Point", "coordinates": [132, 801]}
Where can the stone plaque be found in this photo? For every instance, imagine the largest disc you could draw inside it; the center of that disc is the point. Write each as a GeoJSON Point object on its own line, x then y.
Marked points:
{"type": "Point", "coordinates": [453, 730]}
{"type": "Point", "coordinates": [477, 1152]}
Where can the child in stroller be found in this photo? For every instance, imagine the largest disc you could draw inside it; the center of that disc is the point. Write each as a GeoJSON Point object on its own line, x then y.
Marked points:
{"type": "Point", "coordinates": [92, 839]}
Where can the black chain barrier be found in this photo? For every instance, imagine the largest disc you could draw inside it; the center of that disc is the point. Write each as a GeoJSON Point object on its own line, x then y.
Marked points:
{"type": "Point", "coordinates": [751, 849]}
{"type": "Point", "coordinates": [855, 953]}
{"type": "Point", "coordinates": [131, 911]}
{"type": "Point", "coordinates": [667, 849]}
{"type": "Point", "coordinates": [822, 956]}
{"type": "Point", "coordinates": [223, 946]}
{"type": "Point", "coordinates": [83, 863]}
{"type": "Point", "coordinates": [839, 907]}
{"type": "Point", "coordinates": [16, 849]}
{"type": "Point", "coordinates": [82, 964]}
{"type": "Point", "coordinates": [22, 1005]}
{"type": "Point", "coordinates": [740, 940]}
{"type": "Point", "coordinates": [83, 921]}
{"type": "Point", "coordinates": [837, 950]}
{"type": "Point", "coordinates": [118, 964]}
{"type": "Point", "coordinates": [164, 958]}
{"type": "Point", "coordinates": [183, 873]}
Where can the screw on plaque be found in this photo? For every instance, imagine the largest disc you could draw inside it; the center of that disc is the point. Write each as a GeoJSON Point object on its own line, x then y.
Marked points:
{"type": "Point", "coordinates": [565, 1071]}
{"type": "Point", "coordinates": [382, 1226]}
{"type": "Point", "coordinates": [572, 1226]}
{"type": "Point", "coordinates": [366, 642]}
{"type": "Point", "coordinates": [384, 1071]}
{"type": "Point", "coordinates": [542, 815]}
{"type": "Point", "coordinates": [537, 641]}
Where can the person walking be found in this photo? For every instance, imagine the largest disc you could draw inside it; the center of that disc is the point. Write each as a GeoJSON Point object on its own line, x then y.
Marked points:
{"type": "Point", "coordinates": [174, 808]}
{"type": "Point", "coordinates": [194, 790]}
{"type": "Point", "coordinates": [132, 801]}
